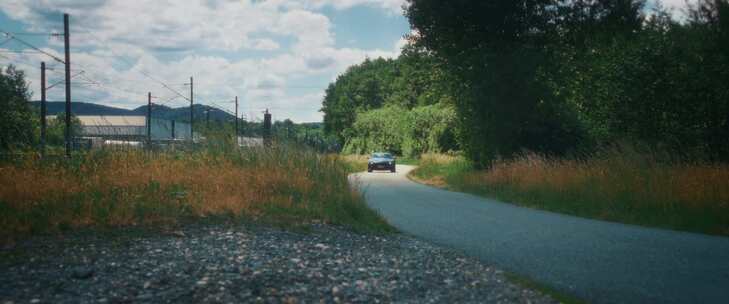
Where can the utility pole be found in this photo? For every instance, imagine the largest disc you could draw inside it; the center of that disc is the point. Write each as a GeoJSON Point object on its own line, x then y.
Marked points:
{"type": "Point", "coordinates": [66, 47]}
{"type": "Point", "coordinates": [43, 110]}
{"type": "Point", "coordinates": [192, 116]}
{"type": "Point", "coordinates": [207, 118]}
{"type": "Point", "coordinates": [173, 129]}
{"type": "Point", "coordinates": [149, 119]}
{"type": "Point", "coordinates": [267, 129]}
{"type": "Point", "coordinates": [236, 120]}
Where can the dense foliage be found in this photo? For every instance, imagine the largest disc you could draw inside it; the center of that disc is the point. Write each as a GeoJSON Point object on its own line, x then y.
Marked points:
{"type": "Point", "coordinates": [16, 117]}
{"type": "Point", "coordinates": [307, 134]}
{"type": "Point", "coordinates": [406, 132]}
{"type": "Point", "coordinates": [20, 120]}
{"type": "Point", "coordinates": [555, 76]}
{"type": "Point", "coordinates": [402, 106]}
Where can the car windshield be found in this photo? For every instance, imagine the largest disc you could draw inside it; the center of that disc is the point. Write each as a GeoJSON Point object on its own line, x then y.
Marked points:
{"type": "Point", "coordinates": [381, 155]}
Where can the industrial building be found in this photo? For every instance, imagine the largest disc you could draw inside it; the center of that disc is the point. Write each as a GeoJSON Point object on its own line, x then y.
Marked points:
{"type": "Point", "coordinates": [131, 130]}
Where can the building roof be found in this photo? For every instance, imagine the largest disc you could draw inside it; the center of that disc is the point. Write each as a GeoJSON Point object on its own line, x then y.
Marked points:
{"type": "Point", "coordinates": [116, 121]}
{"type": "Point", "coordinates": [131, 125]}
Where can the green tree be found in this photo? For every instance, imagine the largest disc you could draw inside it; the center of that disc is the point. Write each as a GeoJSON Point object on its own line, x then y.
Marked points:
{"type": "Point", "coordinates": [659, 82]}
{"type": "Point", "coordinates": [16, 118]}
{"type": "Point", "coordinates": [361, 88]}
{"type": "Point", "coordinates": [497, 51]}
{"type": "Point", "coordinates": [413, 79]}
{"type": "Point", "coordinates": [56, 131]}
{"type": "Point", "coordinates": [405, 132]}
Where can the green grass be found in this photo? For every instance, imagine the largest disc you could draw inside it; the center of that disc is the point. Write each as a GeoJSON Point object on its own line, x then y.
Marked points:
{"type": "Point", "coordinates": [407, 161]}
{"type": "Point", "coordinates": [614, 186]}
{"type": "Point", "coordinates": [525, 282]}
{"type": "Point", "coordinates": [353, 163]}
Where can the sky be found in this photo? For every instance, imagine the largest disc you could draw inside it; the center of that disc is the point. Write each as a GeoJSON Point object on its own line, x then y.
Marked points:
{"type": "Point", "coordinates": [275, 54]}
{"type": "Point", "coordinates": [272, 54]}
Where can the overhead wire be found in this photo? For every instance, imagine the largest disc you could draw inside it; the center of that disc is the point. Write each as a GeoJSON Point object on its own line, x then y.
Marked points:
{"type": "Point", "coordinates": [140, 71]}
{"type": "Point", "coordinates": [12, 36]}
{"type": "Point", "coordinates": [99, 84]}
{"type": "Point", "coordinates": [18, 62]}
{"type": "Point", "coordinates": [7, 34]}
{"type": "Point", "coordinates": [19, 51]}
{"type": "Point", "coordinates": [35, 34]}
{"type": "Point", "coordinates": [218, 107]}
{"type": "Point", "coordinates": [62, 81]}
{"type": "Point", "coordinates": [6, 41]}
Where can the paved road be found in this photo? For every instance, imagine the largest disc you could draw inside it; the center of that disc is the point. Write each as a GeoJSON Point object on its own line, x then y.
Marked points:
{"type": "Point", "coordinates": [598, 261]}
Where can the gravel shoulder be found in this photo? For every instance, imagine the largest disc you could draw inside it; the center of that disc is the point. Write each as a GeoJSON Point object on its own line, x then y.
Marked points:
{"type": "Point", "coordinates": [222, 263]}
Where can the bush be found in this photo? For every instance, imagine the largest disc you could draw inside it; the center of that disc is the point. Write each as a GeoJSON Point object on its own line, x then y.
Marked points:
{"type": "Point", "coordinates": [404, 132]}
{"type": "Point", "coordinates": [17, 123]}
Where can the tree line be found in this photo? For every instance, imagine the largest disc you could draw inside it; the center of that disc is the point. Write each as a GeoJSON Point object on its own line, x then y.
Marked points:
{"type": "Point", "coordinates": [399, 105]}
{"type": "Point", "coordinates": [19, 121]}
{"type": "Point", "coordinates": [555, 77]}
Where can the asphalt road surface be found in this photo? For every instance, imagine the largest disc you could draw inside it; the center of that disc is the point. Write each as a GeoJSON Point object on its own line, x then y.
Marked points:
{"type": "Point", "coordinates": [598, 261]}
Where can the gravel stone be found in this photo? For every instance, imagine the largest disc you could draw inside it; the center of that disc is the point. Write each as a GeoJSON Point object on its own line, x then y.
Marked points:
{"type": "Point", "coordinates": [82, 273]}
{"type": "Point", "coordinates": [217, 263]}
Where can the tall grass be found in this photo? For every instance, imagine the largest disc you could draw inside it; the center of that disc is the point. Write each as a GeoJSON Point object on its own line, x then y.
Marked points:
{"type": "Point", "coordinates": [120, 188]}
{"type": "Point", "coordinates": [617, 185]}
{"type": "Point", "coordinates": [354, 162]}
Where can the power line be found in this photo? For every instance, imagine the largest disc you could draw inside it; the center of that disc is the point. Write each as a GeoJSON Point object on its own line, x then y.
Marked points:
{"type": "Point", "coordinates": [168, 102]}
{"type": "Point", "coordinates": [61, 81]}
{"type": "Point", "coordinates": [140, 71]}
{"type": "Point", "coordinates": [101, 85]}
{"type": "Point", "coordinates": [35, 34]}
{"type": "Point", "coordinates": [218, 107]}
{"type": "Point", "coordinates": [32, 46]}
{"type": "Point", "coordinates": [92, 82]}
{"type": "Point", "coordinates": [19, 51]}
{"type": "Point", "coordinates": [17, 62]}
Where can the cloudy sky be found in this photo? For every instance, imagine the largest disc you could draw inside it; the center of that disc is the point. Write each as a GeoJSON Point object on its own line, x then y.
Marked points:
{"type": "Point", "coordinates": [277, 54]}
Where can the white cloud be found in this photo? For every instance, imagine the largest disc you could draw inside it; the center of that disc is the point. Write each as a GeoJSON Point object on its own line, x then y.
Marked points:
{"type": "Point", "coordinates": [678, 8]}
{"type": "Point", "coordinates": [116, 42]}
{"type": "Point", "coordinates": [394, 6]}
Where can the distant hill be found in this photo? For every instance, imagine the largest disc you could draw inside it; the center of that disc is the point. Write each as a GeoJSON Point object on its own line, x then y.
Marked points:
{"type": "Point", "coordinates": [183, 114]}
{"type": "Point", "coordinates": [83, 108]}
{"type": "Point", "coordinates": [159, 111]}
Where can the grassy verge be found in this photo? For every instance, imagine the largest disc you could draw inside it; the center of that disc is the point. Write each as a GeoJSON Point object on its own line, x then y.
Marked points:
{"type": "Point", "coordinates": [553, 293]}
{"type": "Point", "coordinates": [354, 163]}
{"type": "Point", "coordinates": [127, 188]}
{"type": "Point", "coordinates": [621, 186]}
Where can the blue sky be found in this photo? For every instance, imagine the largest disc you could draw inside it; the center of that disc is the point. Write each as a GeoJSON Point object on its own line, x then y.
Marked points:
{"type": "Point", "coordinates": [277, 54]}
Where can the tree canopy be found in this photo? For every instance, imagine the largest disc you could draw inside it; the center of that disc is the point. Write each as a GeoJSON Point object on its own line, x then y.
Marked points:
{"type": "Point", "coordinates": [559, 76]}
{"type": "Point", "coordinates": [400, 105]}
{"type": "Point", "coordinates": [16, 118]}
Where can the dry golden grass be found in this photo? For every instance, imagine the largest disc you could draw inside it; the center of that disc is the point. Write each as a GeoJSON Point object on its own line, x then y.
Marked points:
{"type": "Point", "coordinates": [438, 158]}
{"type": "Point", "coordinates": [693, 185]}
{"type": "Point", "coordinates": [615, 185]}
{"type": "Point", "coordinates": [132, 187]}
{"type": "Point", "coordinates": [355, 162]}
